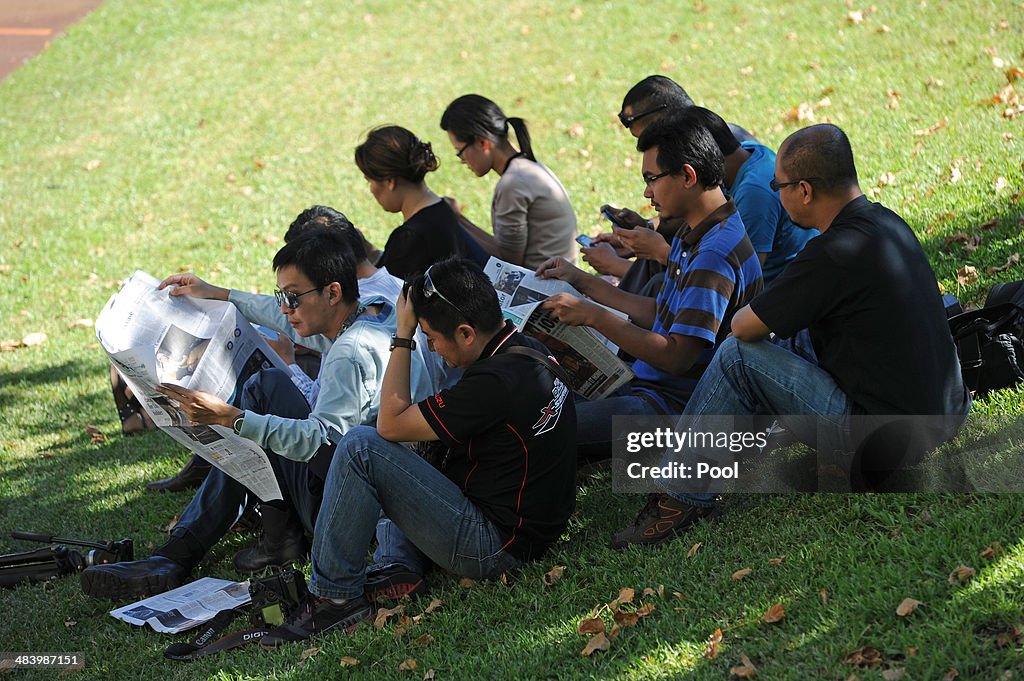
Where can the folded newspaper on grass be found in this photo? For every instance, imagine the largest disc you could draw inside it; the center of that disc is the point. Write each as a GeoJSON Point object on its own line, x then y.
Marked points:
{"type": "Point", "coordinates": [586, 356]}
{"type": "Point", "coordinates": [186, 607]}
{"type": "Point", "coordinates": [152, 338]}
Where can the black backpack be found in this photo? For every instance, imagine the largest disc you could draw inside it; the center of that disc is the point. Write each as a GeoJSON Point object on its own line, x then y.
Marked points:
{"type": "Point", "coordinates": [990, 341]}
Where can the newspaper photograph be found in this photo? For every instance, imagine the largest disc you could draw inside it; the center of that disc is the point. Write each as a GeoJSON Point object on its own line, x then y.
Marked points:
{"type": "Point", "coordinates": [152, 338]}
{"type": "Point", "coordinates": [186, 607]}
{"type": "Point", "coordinates": [589, 358]}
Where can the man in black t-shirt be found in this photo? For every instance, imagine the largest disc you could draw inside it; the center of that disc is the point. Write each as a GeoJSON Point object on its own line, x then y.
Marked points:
{"type": "Point", "coordinates": [508, 484]}
{"type": "Point", "coordinates": [868, 297]}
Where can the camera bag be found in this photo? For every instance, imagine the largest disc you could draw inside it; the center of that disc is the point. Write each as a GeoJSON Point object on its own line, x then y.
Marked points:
{"type": "Point", "coordinates": [990, 341]}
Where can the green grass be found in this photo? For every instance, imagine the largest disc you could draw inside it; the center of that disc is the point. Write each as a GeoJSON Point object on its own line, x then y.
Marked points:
{"type": "Point", "coordinates": [214, 123]}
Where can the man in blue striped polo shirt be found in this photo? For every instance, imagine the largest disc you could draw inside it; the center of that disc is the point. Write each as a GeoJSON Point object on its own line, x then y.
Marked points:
{"type": "Point", "coordinates": [712, 272]}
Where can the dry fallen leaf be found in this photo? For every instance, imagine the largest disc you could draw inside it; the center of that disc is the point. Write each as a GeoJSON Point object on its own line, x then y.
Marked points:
{"type": "Point", "coordinates": [92, 165]}
{"type": "Point", "coordinates": [590, 625]}
{"type": "Point", "coordinates": [894, 674]}
{"type": "Point", "coordinates": [713, 641]}
{"type": "Point", "coordinates": [907, 606]}
{"type": "Point", "coordinates": [95, 435]}
{"type": "Point", "coordinates": [81, 324]}
{"type": "Point", "coordinates": [576, 130]}
{"type": "Point", "coordinates": [429, 675]}
{"type": "Point", "coordinates": [994, 550]}
{"type": "Point", "coordinates": [951, 674]}
{"type": "Point", "coordinates": [598, 642]}
{"type": "Point", "coordinates": [309, 652]}
{"type": "Point", "coordinates": [774, 614]}
{"type": "Point", "coordinates": [1007, 637]}
{"type": "Point", "coordinates": [740, 574]}
{"type": "Point", "coordinates": [865, 656]}
{"type": "Point", "coordinates": [776, 561]}
{"type": "Point", "coordinates": [824, 597]}
{"type": "Point", "coordinates": [1000, 184]}
{"type": "Point", "coordinates": [625, 596]}
{"type": "Point", "coordinates": [70, 623]}
{"type": "Point", "coordinates": [855, 17]}
{"type": "Point", "coordinates": [32, 339]}
{"type": "Point", "coordinates": [1012, 261]}
{"type": "Point", "coordinates": [1014, 73]}
{"type": "Point", "coordinates": [954, 174]}
{"type": "Point", "coordinates": [625, 619]}
{"type": "Point", "coordinates": [885, 179]}
{"type": "Point", "coordinates": [408, 666]}
{"type": "Point", "coordinates": [467, 583]}
{"type": "Point", "coordinates": [744, 670]}
{"type": "Point", "coordinates": [385, 613]}
{"type": "Point", "coordinates": [967, 275]}
{"type": "Point", "coordinates": [645, 610]}
{"type": "Point", "coordinates": [171, 525]}
{"type": "Point", "coordinates": [554, 574]}
{"type": "Point", "coordinates": [693, 550]}
{"type": "Point", "coordinates": [435, 603]}
{"type": "Point", "coordinates": [960, 575]}
{"type": "Point", "coordinates": [348, 661]}
{"type": "Point", "coordinates": [424, 640]}
{"type": "Point", "coordinates": [403, 625]}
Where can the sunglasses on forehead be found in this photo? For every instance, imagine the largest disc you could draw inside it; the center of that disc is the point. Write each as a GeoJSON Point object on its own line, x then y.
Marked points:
{"type": "Point", "coordinates": [430, 290]}
{"type": "Point", "coordinates": [633, 118]}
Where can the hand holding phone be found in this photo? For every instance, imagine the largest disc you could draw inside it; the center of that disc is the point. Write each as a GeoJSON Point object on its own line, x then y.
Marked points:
{"type": "Point", "coordinates": [584, 240]}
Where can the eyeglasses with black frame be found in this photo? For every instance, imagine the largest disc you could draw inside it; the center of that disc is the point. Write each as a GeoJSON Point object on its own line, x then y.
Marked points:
{"type": "Point", "coordinates": [291, 300]}
{"type": "Point", "coordinates": [651, 179]}
{"type": "Point", "coordinates": [776, 185]}
{"type": "Point", "coordinates": [430, 289]}
{"type": "Point", "coordinates": [460, 152]}
{"type": "Point", "coordinates": [628, 121]}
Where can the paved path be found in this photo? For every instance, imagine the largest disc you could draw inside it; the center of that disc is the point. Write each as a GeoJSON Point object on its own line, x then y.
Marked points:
{"type": "Point", "coordinates": [28, 26]}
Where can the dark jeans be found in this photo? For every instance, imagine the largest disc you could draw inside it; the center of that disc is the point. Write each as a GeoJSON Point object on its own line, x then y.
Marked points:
{"type": "Point", "coordinates": [220, 499]}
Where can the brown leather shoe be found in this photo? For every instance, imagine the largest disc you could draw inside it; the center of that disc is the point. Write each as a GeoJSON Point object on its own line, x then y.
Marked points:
{"type": "Point", "coordinates": [189, 477]}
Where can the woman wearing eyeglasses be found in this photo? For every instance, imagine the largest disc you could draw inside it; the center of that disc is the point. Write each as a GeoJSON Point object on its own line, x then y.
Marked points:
{"type": "Point", "coordinates": [531, 216]}
{"type": "Point", "coordinates": [395, 162]}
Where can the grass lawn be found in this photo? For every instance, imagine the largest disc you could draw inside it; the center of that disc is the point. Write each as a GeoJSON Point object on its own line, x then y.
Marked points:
{"type": "Point", "coordinates": [169, 136]}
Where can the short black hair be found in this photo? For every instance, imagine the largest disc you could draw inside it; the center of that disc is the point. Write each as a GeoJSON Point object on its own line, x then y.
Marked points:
{"type": "Point", "coordinates": [326, 217]}
{"type": "Point", "coordinates": [715, 124]}
{"type": "Point", "coordinates": [463, 284]}
{"type": "Point", "coordinates": [324, 256]}
{"type": "Point", "coordinates": [822, 155]}
{"type": "Point", "coordinates": [682, 141]}
{"type": "Point", "coordinates": [655, 91]}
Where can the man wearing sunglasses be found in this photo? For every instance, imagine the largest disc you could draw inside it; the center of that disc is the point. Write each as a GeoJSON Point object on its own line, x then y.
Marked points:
{"type": "Point", "coordinates": [644, 104]}
{"type": "Point", "coordinates": [507, 488]}
{"type": "Point", "coordinates": [712, 272]}
{"type": "Point", "coordinates": [318, 303]}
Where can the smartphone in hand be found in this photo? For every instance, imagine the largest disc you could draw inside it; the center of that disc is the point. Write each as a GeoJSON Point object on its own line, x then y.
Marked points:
{"type": "Point", "coordinates": [614, 220]}
{"type": "Point", "coordinates": [584, 240]}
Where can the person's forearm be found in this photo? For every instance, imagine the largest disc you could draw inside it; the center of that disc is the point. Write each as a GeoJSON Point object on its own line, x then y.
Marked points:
{"type": "Point", "coordinates": [395, 391]}
{"type": "Point", "coordinates": [640, 309]}
{"type": "Point", "coordinates": [663, 352]}
{"type": "Point", "coordinates": [615, 267]}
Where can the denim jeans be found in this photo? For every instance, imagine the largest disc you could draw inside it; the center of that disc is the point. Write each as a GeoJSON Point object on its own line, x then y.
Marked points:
{"type": "Point", "coordinates": [371, 477]}
{"type": "Point", "coordinates": [594, 421]}
{"type": "Point", "coordinates": [763, 377]}
{"type": "Point", "coordinates": [220, 499]}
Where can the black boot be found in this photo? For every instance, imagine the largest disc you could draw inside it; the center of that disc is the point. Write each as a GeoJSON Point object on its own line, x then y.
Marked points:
{"type": "Point", "coordinates": [283, 542]}
{"type": "Point", "coordinates": [191, 475]}
{"type": "Point", "coordinates": [133, 580]}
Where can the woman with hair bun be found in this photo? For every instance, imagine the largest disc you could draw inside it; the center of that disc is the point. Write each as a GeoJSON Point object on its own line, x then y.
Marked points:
{"type": "Point", "coordinates": [395, 162]}
{"type": "Point", "coordinates": [531, 216]}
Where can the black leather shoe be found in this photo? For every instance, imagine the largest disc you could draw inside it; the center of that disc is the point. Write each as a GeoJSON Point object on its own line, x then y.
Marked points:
{"type": "Point", "coordinates": [133, 580]}
{"type": "Point", "coordinates": [189, 477]}
{"type": "Point", "coordinates": [283, 542]}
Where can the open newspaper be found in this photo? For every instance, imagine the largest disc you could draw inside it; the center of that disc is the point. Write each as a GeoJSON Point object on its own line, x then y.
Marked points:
{"type": "Point", "coordinates": [152, 338]}
{"type": "Point", "coordinates": [587, 357]}
{"type": "Point", "coordinates": [185, 607]}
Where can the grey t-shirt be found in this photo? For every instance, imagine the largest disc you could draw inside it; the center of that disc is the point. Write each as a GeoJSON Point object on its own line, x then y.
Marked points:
{"type": "Point", "coordinates": [531, 213]}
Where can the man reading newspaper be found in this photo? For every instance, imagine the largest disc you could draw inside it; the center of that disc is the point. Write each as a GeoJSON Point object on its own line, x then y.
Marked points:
{"type": "Point", "coordinates": [318, 295]}
{"type": "Point", "coordinates": [712, 272]}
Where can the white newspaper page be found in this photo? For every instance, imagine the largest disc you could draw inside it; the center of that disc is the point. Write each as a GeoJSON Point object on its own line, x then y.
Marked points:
{"type": "Point", "coordinates": [208, 345]}
{"type": "Point", "coordinates": [186, 607]}
{"type": "Point", "coordinates": [594, 371]}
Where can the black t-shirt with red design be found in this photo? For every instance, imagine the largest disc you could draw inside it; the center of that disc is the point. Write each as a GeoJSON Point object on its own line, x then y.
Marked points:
{"type": "Point", "coordinates": [511, 427]}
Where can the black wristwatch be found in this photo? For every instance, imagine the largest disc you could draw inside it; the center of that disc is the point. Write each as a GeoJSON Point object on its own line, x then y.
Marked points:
{"type": "Point", "coordinates": [397, 342]}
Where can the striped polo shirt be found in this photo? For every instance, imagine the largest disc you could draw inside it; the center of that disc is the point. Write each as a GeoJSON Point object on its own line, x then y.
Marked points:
{"type": "Point", "coordinates": [712, 272]}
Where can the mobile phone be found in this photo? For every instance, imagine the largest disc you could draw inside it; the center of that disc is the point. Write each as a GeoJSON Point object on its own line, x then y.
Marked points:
{"type": "Point", "coordinates": [584, 240]}
{"type": "Point", "coordinates": [612, 219]}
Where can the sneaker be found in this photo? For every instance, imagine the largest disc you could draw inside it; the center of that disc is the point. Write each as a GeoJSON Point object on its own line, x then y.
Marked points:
{"type": "Point", "coordinates": [317, 616]}
{"type": "Point", "coordinates": [393, 582]}
{"type": "Point", "coordinates": [660, 520]}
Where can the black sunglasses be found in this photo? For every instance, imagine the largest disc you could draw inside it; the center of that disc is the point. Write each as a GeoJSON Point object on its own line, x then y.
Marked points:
{"type": "Point", "coordinates": [627, 121]}
{"type": "Point", "coordinates": [776, 185]}
{"type": "Point", "coordinates": [430, 289]}
{"type": "Point", "coordinates": [291, 300]}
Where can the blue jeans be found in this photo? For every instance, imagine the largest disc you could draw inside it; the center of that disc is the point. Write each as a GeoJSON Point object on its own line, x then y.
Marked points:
{"type": "Point", "coordinates": [220, 499]}
{"type": "Point", "coordinates": [371, 477]}
{"type": "Point", "coordinates": [763, 377]}
{"type": "Point", "coordinates": [594, 421]}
